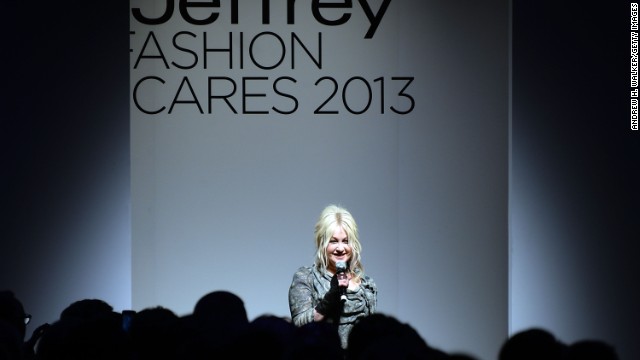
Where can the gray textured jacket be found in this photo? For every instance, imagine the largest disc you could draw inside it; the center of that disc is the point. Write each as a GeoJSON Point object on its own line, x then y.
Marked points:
{"type": "Point", "coordinates": [309, 286]}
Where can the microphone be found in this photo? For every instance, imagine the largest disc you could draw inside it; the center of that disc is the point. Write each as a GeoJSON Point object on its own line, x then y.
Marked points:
{"type": "Point", "coordinates": [341, 273]}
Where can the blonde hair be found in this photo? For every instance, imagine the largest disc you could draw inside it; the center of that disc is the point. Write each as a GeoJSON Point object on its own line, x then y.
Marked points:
{"type": "Point", "coordinates": [331, 218]}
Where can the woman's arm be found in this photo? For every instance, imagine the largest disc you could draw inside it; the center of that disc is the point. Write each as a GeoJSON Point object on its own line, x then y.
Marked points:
{"type": "Point", "coordinates": [301, 299]}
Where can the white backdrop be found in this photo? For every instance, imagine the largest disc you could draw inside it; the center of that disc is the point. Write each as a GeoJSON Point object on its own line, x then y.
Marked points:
{"type": "Point", "coordinates": [224, 200]}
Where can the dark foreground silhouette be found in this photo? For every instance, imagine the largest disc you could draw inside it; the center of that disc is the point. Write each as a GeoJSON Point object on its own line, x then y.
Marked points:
{"type": "Point", "coordinates": [218, 328]}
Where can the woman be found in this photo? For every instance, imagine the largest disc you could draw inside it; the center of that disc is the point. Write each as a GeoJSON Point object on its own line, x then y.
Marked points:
{"type": "Point", "coordinates": [318, 293]}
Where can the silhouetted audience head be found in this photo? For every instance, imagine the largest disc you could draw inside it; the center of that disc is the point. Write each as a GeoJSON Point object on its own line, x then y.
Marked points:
{"type": "Point", "coordinates": [213, 329]}
{"type": "Point", "coordinates": [87, 330]}
{"type": "Point", "coordinates": [86, 309]}
{"type": "Point", "coordinates": [13, 326]}
{"type": "Point", "coordinates": [317, 341]}
{"type": "Point", "coordinates": [591, 350]}
{"type": "Point", "coordinates": [380, 336]}
{"type": "Point", "coordinates": [12, 312]}
{"type": "Point", "coordinates": [154, 334]}
{"type": "Point", "coordinates": [10, 342]}
{"type": "Point", "coordinates": [221, 306]}
{"type": "Point", "coordinates": [532, 344]}
{"type": "Point", "coordinates": [270, 336]}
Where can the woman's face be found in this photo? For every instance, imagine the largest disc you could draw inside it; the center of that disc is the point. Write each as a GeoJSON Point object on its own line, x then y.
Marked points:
{"type": "Point", "coordinates": [339, 248]}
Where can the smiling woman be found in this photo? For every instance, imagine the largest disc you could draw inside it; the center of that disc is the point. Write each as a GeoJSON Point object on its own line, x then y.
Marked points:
{"type": "Point", "coordinates": [322, 292]}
